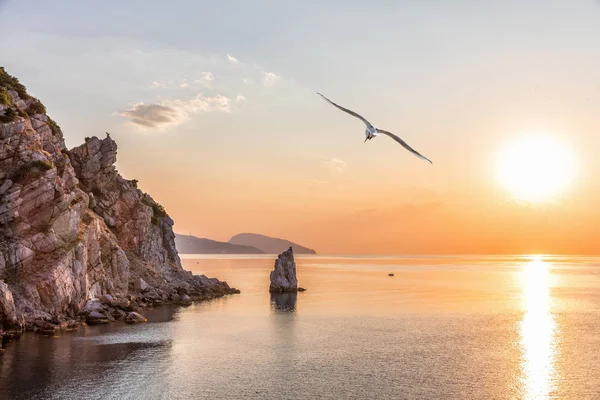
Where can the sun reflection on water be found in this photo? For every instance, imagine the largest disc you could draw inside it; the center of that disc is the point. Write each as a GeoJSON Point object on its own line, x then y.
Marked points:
{"type": "Point", "coordinates": [538, 328]}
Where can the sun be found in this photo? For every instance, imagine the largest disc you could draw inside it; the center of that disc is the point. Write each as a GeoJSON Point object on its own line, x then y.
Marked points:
{"type": "Point", "coordinates": [536, 167]}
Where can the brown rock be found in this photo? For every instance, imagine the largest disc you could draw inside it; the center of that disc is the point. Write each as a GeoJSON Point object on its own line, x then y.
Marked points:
{"type": "Point", "coordinates": [134, 318]}
{"type": "Point", "coordinates": [95, 318]}
{"type": "Point", "coordinates": [72, 229]}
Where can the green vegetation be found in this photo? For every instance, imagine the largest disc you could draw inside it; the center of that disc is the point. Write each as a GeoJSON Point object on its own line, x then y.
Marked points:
{"type": "Point", "coordinates": [9, 115]}
{"type": "Point", "coordinates": [31, 171]}
{"type": "Point", "coordinates": [53, 126]}
{"type": "Point", "coordinates": [5, 97]}
{"type": "Point", "coordinates": [9, 82]}
{"type": "Point", "coordinates": [36, 108]}
{"type": "Point", "coordinates": [157, 210]}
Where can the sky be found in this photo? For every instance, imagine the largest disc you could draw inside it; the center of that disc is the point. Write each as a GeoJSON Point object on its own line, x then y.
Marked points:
{"type": "Point", "coordinates": [213, 106]}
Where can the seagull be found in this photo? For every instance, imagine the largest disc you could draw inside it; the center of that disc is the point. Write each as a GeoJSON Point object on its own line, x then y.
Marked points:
{"type": "Point", "coordinates": [371, 131]}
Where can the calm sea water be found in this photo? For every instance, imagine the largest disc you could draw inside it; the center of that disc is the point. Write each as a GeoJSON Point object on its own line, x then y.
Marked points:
{"type": "Point", "coordinates": [440, 328]}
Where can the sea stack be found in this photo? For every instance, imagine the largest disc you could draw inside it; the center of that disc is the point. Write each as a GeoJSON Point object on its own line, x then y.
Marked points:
{"type": "Point", "coordinates": [283, 277]}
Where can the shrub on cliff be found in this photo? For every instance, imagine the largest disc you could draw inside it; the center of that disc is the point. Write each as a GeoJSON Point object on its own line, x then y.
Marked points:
{"type": "Point", "coordinates": [4, 97]}
{"type": "Point", "coordinates": [53, 126]}
{"type": "Point", "coordinates": [36, 108]}
{"type": "Point", "coordinates": [8, 116]}
{"type": "Point", "coordinates": [11, 83]}
{"type": "Point", "coordinates": [31, 171]}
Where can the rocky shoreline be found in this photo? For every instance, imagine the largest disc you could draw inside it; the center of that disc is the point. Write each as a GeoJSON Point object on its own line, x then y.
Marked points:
{"type": "Point", "coordinates": [78, 242]}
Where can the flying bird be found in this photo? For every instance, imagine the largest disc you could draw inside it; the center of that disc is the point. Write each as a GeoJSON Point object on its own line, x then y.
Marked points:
{"type": "Point", "coordinates": [371, 131]}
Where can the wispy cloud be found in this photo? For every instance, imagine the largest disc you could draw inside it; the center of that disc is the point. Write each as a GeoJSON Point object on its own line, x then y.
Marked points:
{"type": "Point", "coordinates": [207, 78]}
{"type": "Point", "coordinates": [158, 84]}
{"type": "Point", "coordinates": [338, 165]}
{"type": "Point", "coordinates": [152, 115]}
{"type": "Point", "coordinates": [232, 59]}
{"type": "Point", "coordinates": [201, 103]}
{"type": "Point", "coordinates": [240, 98]}
{"type": "Point", "coordinates": [172, 112]}
{"type": "Point", "coordinates": [270, 78]}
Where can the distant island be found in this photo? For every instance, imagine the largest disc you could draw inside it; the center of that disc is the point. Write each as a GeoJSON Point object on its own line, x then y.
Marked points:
{"type": "Point", "coordinates": [268, 244]}
{"type": "Point", "coordinates": [187, 244]}
{"type": "Point", "coordinates": [243, 243]}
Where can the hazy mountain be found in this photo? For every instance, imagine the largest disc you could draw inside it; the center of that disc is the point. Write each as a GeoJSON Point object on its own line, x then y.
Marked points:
{"type": "Point", "coordinates": [193, 245]}
{"type": "Point", "coordinates": [268, 244]}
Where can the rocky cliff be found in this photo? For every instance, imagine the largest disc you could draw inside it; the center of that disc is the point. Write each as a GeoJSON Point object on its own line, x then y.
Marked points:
{"type": "Point", "coordinates": [77, 240]}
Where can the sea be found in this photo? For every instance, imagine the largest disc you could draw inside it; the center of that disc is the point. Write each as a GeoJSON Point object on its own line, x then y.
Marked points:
{"type": "Point", "coordinates": [367, 327]}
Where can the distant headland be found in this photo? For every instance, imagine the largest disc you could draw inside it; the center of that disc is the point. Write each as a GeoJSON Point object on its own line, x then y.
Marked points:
{"type": "Point", "coordinates": [243, 243]}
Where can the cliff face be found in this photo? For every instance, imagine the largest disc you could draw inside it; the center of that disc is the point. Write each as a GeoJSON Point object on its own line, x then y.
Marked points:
{"type": "Point", "coordinates": [72, 229]}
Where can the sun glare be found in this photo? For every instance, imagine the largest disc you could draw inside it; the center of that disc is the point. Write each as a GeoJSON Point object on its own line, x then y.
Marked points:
{"type": "Point", "coordinates": [536, 167]}
{"type": "Point", "coordinates": [538, 331]}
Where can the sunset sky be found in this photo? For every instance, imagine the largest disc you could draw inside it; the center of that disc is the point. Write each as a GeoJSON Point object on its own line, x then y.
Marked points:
{"type": "Point", "coordinates": [214, 109]}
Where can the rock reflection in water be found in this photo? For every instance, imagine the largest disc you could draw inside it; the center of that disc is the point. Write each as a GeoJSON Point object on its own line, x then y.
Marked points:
{"type": "Point", "coordinates": [285, 301]}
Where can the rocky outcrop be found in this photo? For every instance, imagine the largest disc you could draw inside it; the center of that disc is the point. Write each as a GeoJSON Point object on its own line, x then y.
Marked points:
{"type": "Point", "coordinates": [74, 231]}
{"type": "Point", "coordinates": [283, 277]}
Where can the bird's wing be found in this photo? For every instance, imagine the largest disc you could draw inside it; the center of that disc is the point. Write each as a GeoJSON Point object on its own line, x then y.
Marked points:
{"type": "Point", "coordinates": [404, 144]}
{"type": "Point", "coordinates": [346, 110]}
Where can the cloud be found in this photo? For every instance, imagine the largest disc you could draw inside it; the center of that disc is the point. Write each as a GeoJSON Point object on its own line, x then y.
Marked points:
{"type": "Point", "coordinates": [152, 115]}
{"type": "Point", "coordinates": [158, 84]}
{"type": "Point", "coordinates": [232, 59]}
{"type": "Point", "coordinates": [338, 165]}
{"type": "Point", "coordinates": [240, 98]}
{"type": "Point", "coordinates": [184, 84]}
{"type": "Point", "coordinates": [207, 78]}
{"type": "Point", "coordinates": [171, 112]}
{"type": "Point", "coordinates": [270, 78]}
{"type": "Point", "coordinates": [201, 103]}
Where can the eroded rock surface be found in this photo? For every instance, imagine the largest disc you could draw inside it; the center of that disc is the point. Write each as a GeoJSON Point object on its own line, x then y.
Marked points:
{"type": "Point", "coordinates": [74, 232]}
{"type": "Point", "coordinates": [283, 277]}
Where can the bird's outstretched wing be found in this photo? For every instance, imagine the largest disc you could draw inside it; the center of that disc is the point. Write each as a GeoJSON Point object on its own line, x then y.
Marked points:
{"type": "Point", "coordinates": [404, 144]}
{"type": "Point", "coordinates": [346, 110]}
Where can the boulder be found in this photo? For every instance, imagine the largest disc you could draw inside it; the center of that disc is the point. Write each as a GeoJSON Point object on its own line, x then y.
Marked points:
{"type": "Point", "coordinates": [132, 306]}
{"type": "Point", "coordinates": [118, 314]}
{"type": "Point", "coordinates": [95, 318]}
{"type": "Point", "coordinates": [140, 285]}
{"type": "Point", "coordinates": [134, 318]}
{"type": "Point", "coordinates": [121, 303]}
{"type": "Point", "coordinates": [185, 300]}
{"type": "Point", "coordinates": [107, 299]}
{"type": "Point", "coordinates": [93, 305]}
{"type": "Point", "coordinates": [45, 327]}
{"type": "Point", "coordinates": [283, 276]}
